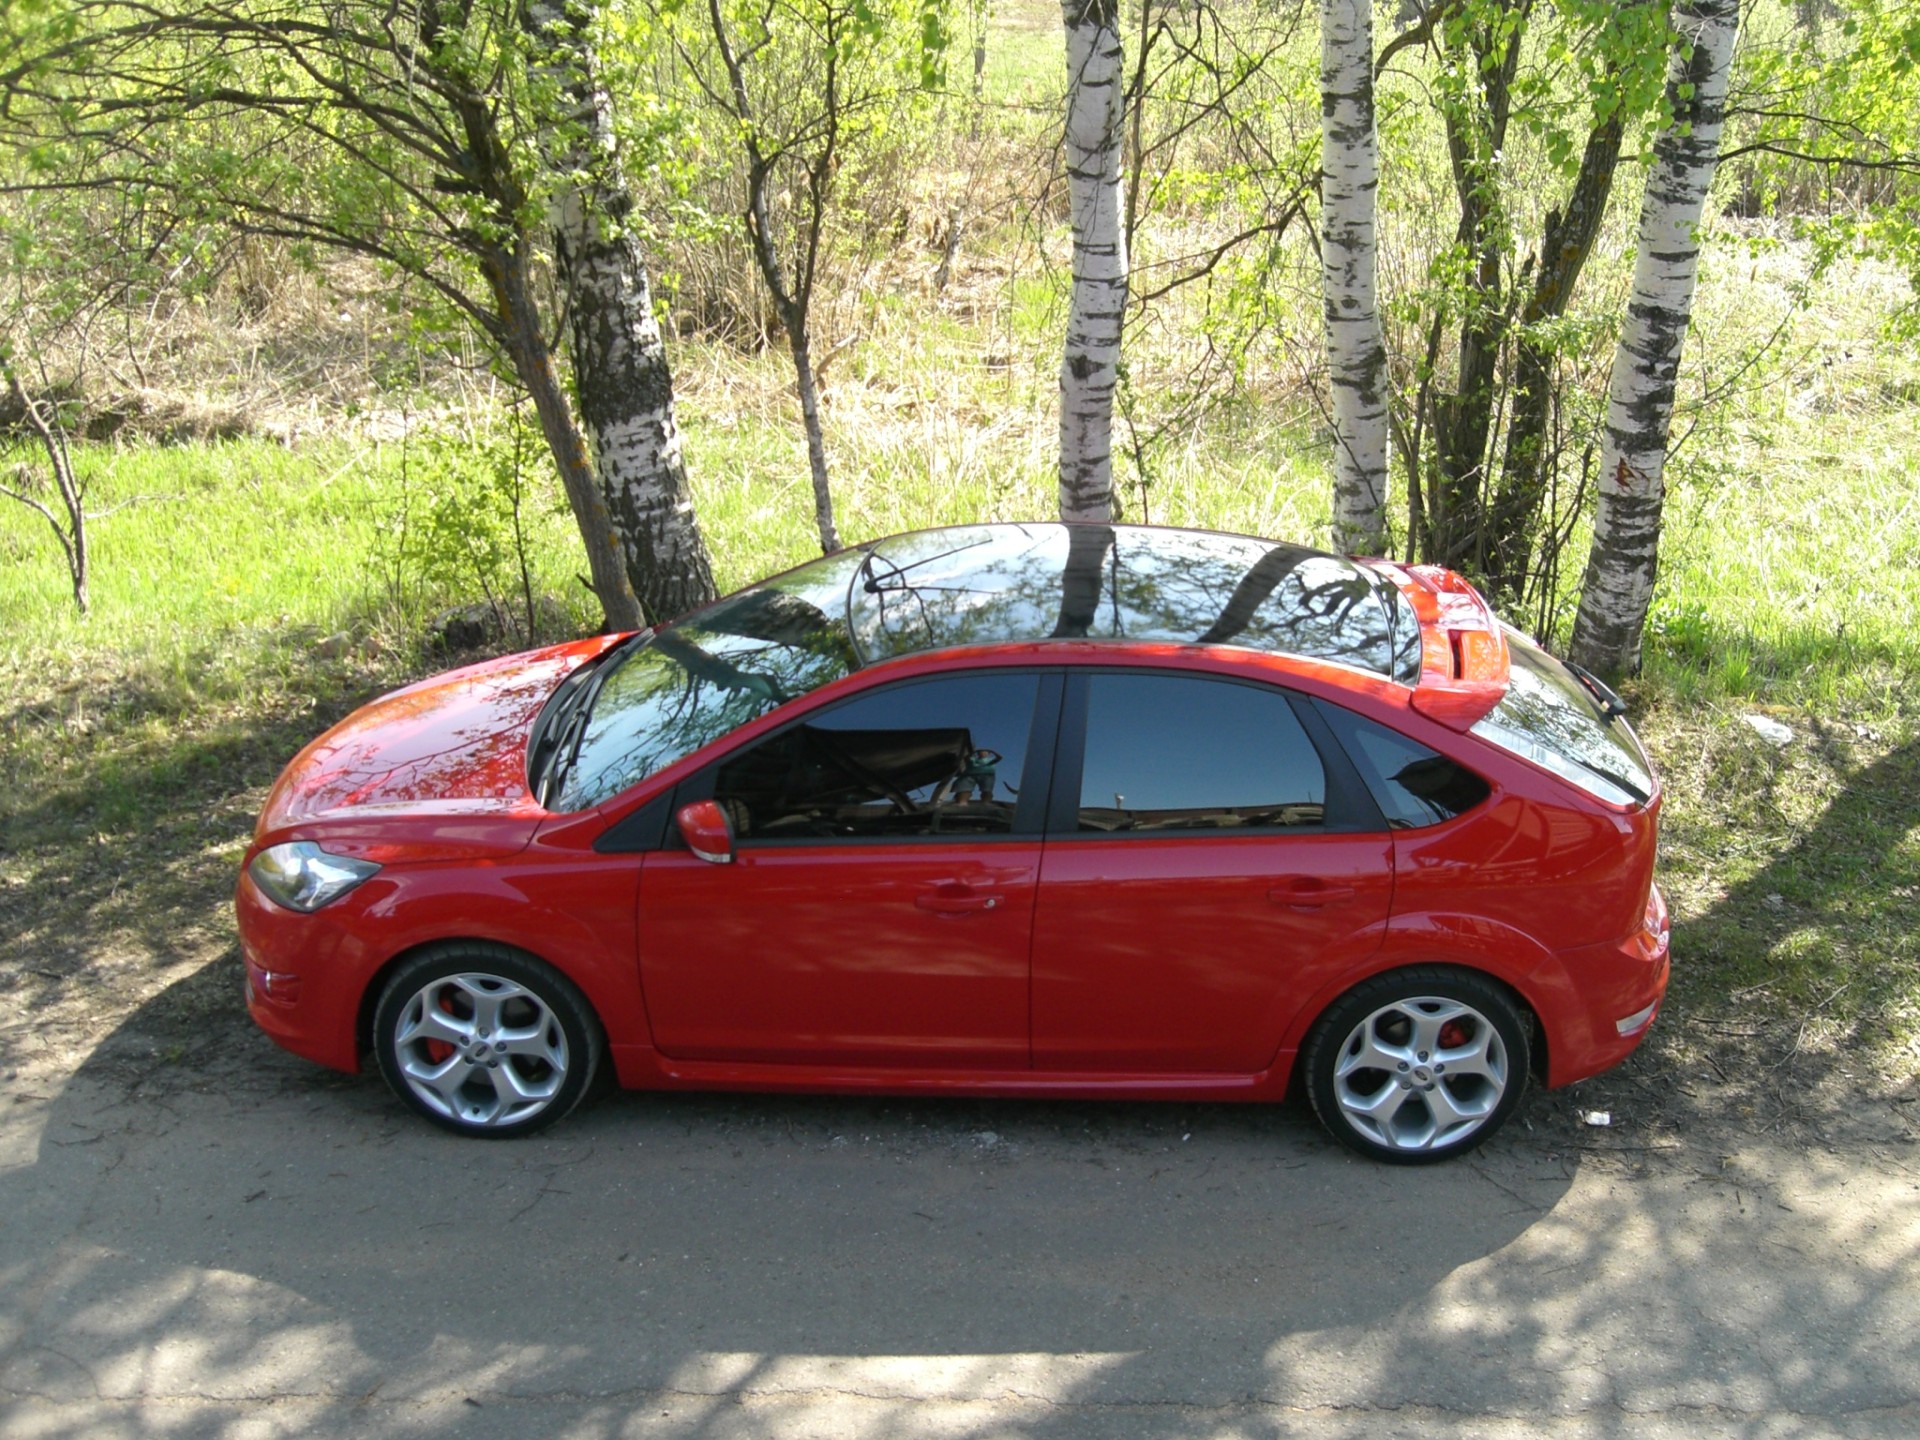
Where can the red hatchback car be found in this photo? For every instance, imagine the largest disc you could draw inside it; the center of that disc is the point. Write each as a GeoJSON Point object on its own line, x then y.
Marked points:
{"type": "Point", "coordinates": [1094, 811]}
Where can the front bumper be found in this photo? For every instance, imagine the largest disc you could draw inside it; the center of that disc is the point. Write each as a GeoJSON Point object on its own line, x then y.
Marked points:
{"type": "Point", "coordinates": [304, 978]}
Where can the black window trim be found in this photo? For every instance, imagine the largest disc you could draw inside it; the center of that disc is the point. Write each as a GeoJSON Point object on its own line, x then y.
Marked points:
{"type": "Point", "coordinates": [1348, 809]}
{"type": "Point", "coordinates": [1029, 811]}
{"type": "Point", "coordinates": [648, 827]}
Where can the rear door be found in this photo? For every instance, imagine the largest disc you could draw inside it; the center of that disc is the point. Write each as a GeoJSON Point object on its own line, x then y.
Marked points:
{"type": "Point", "coordinates": [1206, 867]}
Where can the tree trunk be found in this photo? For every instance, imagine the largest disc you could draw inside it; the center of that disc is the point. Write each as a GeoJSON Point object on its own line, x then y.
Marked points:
{"type": "Point", "coordinates": [525, 342]}
{"type": "Point", "coordinates": [1356, 345]}
{"type": "Point", "coordinates": [976, 111]}
{"type": "Point", "coordinates": [1564, 246]}
{"type": "Point", "coordinates": [620, 368]}
{"type": "Point", "coordinates": [800, 342]}
{"type": "Point", "coordinates": [793, 307]}
{"type": "Point", "coordinates": [1492, 55]}
{"type": "Point", "coordinates": [793, 302]}
{"type": "Point", "coordinates": [43, 418]}
{"type": "Point", "coordinates": [1626, 526]}
{"type": "Point", "coordinates": [1090, 366]}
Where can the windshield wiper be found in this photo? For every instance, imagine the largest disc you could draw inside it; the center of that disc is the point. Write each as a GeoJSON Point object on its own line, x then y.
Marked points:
{"type": "Point", "coordinates": [1611, 706]}
{"type": "Point", "coordinates": [557, 758]}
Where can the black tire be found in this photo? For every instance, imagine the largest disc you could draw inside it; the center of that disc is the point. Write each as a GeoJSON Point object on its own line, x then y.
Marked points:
{"type": "Point", "coordinates": [485, 1040]}
{"type": "Point", "coordinates": [1409, 1109]}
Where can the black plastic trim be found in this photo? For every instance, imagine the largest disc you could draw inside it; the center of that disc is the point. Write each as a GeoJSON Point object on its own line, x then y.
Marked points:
{"type": "Point", "coordinates": [641, 830]}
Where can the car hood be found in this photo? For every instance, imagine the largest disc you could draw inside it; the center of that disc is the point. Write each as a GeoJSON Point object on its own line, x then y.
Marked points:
{"type": "Point", "coordinates": [455, 744]}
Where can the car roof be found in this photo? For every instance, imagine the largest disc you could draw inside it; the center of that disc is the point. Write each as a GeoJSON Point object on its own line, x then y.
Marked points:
{"type": "Point", "coordinates": [973, 585]}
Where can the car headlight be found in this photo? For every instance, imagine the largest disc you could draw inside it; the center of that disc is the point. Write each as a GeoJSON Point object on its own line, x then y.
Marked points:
{"type": "Point", "coordinates": [302, 876]}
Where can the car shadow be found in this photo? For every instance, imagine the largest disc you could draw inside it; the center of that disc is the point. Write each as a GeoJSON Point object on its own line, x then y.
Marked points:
{"type": "Point", "coordinates": [191, 1186]}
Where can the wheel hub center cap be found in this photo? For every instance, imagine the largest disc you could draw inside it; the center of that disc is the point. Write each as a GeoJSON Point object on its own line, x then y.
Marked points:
{"type": "Point", "coordinates": [1422, 1075]}
{"type": "Point", "coordinates": [478, 1052]}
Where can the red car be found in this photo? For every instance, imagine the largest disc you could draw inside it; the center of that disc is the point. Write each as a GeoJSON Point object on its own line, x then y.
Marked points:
{"type": "Point", "coordinates": [1092, 811]}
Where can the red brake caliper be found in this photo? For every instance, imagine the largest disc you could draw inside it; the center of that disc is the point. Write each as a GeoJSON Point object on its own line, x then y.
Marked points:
{"type": "Point", "coordinates": [438, 1050]}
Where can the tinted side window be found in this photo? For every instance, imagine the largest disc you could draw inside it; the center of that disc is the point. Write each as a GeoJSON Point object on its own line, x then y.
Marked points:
{"type": "Point", "coordinates": [1173, 752]}
{"type": "Point", "coordinates": [937, 757]}
{"type": "Point", "coordinates": [1413, 785]}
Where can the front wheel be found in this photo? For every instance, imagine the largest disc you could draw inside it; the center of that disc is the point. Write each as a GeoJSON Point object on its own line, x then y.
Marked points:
{"type": "Point", "coordinates": [483, 1040]}
{"type": "Point", "coordinates": [1419, 1065]}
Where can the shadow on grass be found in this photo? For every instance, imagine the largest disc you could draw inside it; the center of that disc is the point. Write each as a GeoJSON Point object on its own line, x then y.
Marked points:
{"type": "Point", "coordinates": [132, 790]}
{"type": "Point", "coordinates": [1797, 985]}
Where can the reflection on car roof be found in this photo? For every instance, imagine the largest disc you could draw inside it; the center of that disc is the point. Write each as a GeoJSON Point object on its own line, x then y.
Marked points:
{"type": "Point", "coordinates": [997, 584]}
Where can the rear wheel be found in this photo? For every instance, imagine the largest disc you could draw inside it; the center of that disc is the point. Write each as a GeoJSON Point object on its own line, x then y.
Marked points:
{"type": "Point", "coordinates": [484, 1040]}
{"type": "Point", "coordinates": [1418, 1065]}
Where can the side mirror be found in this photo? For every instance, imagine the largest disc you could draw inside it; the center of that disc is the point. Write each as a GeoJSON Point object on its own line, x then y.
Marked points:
{"type": "Point", "coordinates": [703, 825]}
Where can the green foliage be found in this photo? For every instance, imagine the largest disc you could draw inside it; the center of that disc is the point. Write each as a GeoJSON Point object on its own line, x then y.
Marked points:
{"type": "Point", "coordinates": [831, 106]}
{"type": "Point", "coordinates": [1825, 132]}
{"type": "Point", "coordinates": [457, 527]}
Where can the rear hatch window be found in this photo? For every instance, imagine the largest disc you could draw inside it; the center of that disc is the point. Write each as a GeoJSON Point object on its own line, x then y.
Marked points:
{"type": "Point", "coordinates": [1568, 725]}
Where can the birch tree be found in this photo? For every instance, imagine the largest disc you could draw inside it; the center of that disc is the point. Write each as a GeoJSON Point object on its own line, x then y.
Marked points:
{"type": "Point", "coordinates": [407, 136]}
{"type": "Point", "coordinates": [1090, 366]}
{"type": "Point", "coordinates": [622, 379]}
{"type": "Point", "coordinates": [1626, 529]}
{"type": "Point", "coordinates": [1356, 344]}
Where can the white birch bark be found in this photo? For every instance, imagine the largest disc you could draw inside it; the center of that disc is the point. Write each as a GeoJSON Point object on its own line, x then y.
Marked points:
{"type": "Point", "coordinates": [621, 375]}
{"type": "Point", "coordinates": [1356, 344]}
{"type": "Point", "coordinates": [1090, 367]}
{"type": "Point", "coordinates": [1626, 527]}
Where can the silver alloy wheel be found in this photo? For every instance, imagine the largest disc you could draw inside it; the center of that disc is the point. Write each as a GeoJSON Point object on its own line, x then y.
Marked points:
{"type": "Point", "coordinates": [1420, 1073]}
{"type": "Point", "coordinates": [481, 1050]}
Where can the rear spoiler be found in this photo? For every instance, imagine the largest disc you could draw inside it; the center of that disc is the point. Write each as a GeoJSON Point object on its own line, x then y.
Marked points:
{"type": "Point", "coordinates": [1463, 652]}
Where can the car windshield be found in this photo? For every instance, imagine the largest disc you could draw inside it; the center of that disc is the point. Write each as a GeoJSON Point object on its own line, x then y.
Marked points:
{"type": "Point", "coordinates": [717, 669]}
{"type": "Point", "coordinates": [711, 673]}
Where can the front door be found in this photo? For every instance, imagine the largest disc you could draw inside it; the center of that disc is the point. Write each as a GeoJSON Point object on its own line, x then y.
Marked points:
{"type": "Point", "coordinates": [879, 908]}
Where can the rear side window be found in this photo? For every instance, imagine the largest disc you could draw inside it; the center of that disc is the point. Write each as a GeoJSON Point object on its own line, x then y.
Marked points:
{"type": "Point", "coordinates": [1173, 752]}
{"type": "Point", "coordinates": [1412, 785]}
{"type": "Point", "coordinates": [1549, 717]}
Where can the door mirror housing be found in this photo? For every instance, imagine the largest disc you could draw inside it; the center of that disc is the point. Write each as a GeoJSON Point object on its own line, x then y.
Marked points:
{"type": "Point", "coordinates": [703, 825]}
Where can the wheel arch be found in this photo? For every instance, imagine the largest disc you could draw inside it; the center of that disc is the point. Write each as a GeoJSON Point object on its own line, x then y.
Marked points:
{"type": "Point", "coordinates": [1301, 1032]}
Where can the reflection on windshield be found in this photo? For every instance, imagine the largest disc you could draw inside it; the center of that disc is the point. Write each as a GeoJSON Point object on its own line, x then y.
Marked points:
{"type": "Point", "coordinates": [711, 673]}
{"type": "Point", "coordinates": [975, 585]}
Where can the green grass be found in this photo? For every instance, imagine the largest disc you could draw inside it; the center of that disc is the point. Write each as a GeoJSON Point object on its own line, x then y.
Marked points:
{"type": "Point", "coordinates": [232, 538]}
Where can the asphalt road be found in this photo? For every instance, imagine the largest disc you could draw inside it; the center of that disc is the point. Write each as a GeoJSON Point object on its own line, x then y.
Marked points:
{"type": "Point", "coordinates": [201, 1237]}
